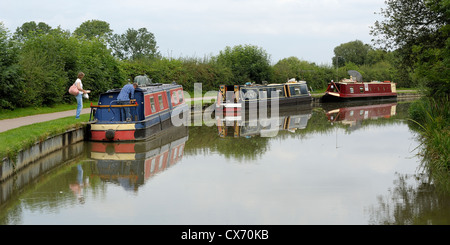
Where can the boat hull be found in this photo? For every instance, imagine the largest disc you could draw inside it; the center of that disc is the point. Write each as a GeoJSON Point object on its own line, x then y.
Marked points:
{"type": "Point", "coordinates": [334, 98]}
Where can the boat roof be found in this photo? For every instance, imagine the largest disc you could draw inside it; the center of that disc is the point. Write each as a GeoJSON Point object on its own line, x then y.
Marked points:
{"type": "Point", "coordinates": [273, 84]}
{"type": "Point", "coordinates": [154, 87]}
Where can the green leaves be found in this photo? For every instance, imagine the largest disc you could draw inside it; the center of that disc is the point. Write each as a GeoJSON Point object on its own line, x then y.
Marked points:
{"type": "Point", "coordinates": [134, 44]}
{"type": "Point", "coordinates": [248, 63]}
{"type": "Point", "coordinates": [419, 30]}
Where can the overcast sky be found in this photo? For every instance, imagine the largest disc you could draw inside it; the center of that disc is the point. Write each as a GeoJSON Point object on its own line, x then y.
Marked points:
{"type": "Point", "coordinates": [306, 29]}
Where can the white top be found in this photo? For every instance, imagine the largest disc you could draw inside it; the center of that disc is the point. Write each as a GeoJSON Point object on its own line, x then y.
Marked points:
{"type": "Point", "coordinates": [81, 85]}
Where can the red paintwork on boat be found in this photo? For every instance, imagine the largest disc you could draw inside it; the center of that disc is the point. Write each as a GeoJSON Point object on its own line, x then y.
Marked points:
{"type": "Point", "coordinates": [358, 113]}
{"type": "Point", "coordinates": [120, 135]}
{"type": "Point", "coordinates": [348, 89]}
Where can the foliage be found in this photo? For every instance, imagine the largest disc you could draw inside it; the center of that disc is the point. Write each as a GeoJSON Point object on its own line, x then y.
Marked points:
{"type": "Point", "coordinates": [101, 68]}
{"type": "Point", "coordinates": [419, 30]}
{"type": "Point", "coordinates": [433, 69]}
{"type": "Point", "coordinates": [30, 29]}
{"type": "Point", "coordinates": [432, 118]}
{"type": "Point", "coordinates": [43, 68]}
{"type": "Point", "coordinates": [135, 44]}
{"type": "Point", "coordinates": [248, 63]}
{"type": "Point", "coordinates": [93, 29]}
{"type": "Point", "coordinates": [409, 22]}
{"type": "Point", "coordinates": [40, 63]}
{"type": "Point", "coordinates": [10, 76]}
{"type": "Point", "coordinates": [292, 67]}
{"type": "Point", "coordinates": [355, 52]}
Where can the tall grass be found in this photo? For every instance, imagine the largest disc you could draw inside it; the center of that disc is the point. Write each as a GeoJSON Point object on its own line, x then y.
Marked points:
{"type": "Point", "coordinates": [432, 118]}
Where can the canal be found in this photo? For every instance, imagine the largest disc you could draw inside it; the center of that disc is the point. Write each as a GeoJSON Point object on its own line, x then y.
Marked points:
{"type": "Point", "coordinates": [331, 164]}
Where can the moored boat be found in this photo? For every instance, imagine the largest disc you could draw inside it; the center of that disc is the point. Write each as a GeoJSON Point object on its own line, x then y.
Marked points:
{"type": "Point", "coordinates": [232, 98]}
{"type": "Point", "coordinates": [152, 110]}
{"type": "Point", "coordinates": [355, 89]}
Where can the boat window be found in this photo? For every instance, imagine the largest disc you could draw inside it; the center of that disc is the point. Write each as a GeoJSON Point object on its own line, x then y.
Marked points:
{"type": "Point", "coordinates": [174, 97]}
{"type": "Point", "coordinates": [361, 89]}
{"type": "Point", "coordinates": [250, 94]}
{"type": "Point", "coordinates": [297, 91]}
{"type": "Point", "coordinates": [304, 89]}
{"type": "Point", "coordinates": [161, 105]}
{"type": "Point", "coordinates": [351, 90]}
{"type": "Point", "coordinates": [180, 96]}
{"type": "Point", "coordinates": [152, 105]}
{"type": "Point", "coordinates": [280, 92]}
{"type": "Point", "coordinates": [263, 94]}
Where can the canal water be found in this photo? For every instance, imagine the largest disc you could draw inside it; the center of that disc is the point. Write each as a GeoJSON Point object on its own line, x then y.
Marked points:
{"type": "Point", "coordinates": [331, 164]}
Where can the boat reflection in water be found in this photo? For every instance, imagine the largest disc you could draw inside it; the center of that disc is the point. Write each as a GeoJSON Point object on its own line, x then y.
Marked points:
{"type": "Point", "coordinates": [242, 125]}
{"type": "Point", "coordinates": [354, 115]}
{"type": "Point", "coordinates": [131, 164]}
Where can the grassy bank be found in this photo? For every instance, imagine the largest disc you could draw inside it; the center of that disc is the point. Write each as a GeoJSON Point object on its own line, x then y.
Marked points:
{"type": "Point", "coordinates": [12, 141]}
{"type": "Point", "coordinates": [431, 117]}
{"type": "Point", "coordinates": [30, 111]}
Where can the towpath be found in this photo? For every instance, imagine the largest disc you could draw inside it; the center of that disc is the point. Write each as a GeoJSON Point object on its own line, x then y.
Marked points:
{"type": "Point", "coordinates": [7, 124]}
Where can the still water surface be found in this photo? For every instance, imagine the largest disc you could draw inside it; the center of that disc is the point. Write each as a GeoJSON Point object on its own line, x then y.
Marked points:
{"type": "Point", "coordinates": [353, 164]}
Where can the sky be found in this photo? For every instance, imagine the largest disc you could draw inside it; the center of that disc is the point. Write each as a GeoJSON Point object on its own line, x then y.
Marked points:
{"type": "Point", "coordinates": [306, 29]}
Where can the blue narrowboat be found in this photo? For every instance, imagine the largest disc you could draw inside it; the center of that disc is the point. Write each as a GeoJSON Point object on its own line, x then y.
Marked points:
{"type": "Point", "coordinates": [152, 109]}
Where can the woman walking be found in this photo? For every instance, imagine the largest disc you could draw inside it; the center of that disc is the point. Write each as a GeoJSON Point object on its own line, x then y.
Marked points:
{"type": "Point", "coordinates": [80, 94]}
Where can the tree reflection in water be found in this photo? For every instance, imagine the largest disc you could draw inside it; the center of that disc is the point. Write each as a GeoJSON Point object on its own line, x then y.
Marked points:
{"type": "Point", "coordinates": [412, 201]}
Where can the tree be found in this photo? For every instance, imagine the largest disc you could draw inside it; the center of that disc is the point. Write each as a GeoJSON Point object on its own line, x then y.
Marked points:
{"type": "Point", "coordinates": [410, 21]}
{"type": "Point", "coordinates": [93, 29]}
{"type": "Point", "coordinates": [43, 68]}
{"type": "Point", "coordinates": [29, 29]}
{"type": "Point", "coordinates": [248, 63]}
{"type": "Point", "coordinates": [10, 81]}
{"type": "Point", "coordinates": [419, 30]}
{"type": "Point", "coordinates": [355, 51]}
{"type": "Point", "coordinates": [134, 44]}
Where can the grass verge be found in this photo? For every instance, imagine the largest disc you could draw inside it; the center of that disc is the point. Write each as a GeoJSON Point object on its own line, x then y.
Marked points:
{"type": "Point", "coordinates": [12, 141]}
{"type": "Point", "coordinates": [432, 118]}
{"type": "Point", "coordinates": [30, 111]}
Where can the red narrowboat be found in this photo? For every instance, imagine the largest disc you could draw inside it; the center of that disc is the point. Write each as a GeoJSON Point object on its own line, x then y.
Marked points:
{"type": "Point", "coordinates": [152, 110]}
{"type": "Point", "coordinates": [355, 89]}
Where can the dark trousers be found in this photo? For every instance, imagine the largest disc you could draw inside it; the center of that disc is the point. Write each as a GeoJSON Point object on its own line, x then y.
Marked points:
{"type": "Point", "coordinates": [125, 111]}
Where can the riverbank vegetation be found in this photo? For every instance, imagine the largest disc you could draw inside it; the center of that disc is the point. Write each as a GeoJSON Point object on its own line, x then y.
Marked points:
{"type": "Point", "coordinates": [39, 63]}
{"type": "Point", "coordinates": [419, 30]}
